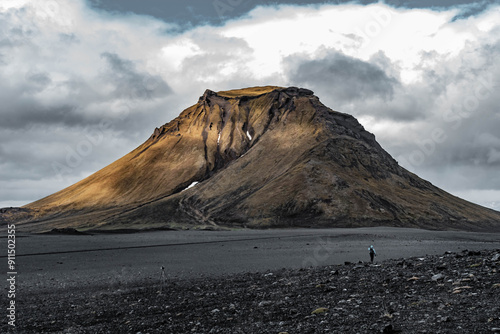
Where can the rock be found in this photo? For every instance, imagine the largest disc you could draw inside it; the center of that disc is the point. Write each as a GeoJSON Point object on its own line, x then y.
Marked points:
{"type": "Point", "coordinates": [441, 267]}
{"type": "Point", "coordinates": [265, 303]}
{"type": "Point", "coordinates": [320, 310]}
{"type": "Point", "coordinates": [390, 329]}
{"type": "Point", "coordinates": [496, 257]}
{"type": "Point", "coordinates": [460, 289]}
{"type": "Point", "coordinates": [437, 277]}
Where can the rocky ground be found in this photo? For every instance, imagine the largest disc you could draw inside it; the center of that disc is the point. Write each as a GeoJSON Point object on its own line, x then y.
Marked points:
{"type": "Point", "coordinates": [450, 293]}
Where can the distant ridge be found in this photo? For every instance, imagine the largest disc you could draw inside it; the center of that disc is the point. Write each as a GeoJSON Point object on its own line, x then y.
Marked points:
{"type": "Point", "coordinates": [258, 157]}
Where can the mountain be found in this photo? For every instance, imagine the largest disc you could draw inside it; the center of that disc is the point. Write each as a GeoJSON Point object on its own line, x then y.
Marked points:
{"type": "Point", "coordinates": [258, 157]}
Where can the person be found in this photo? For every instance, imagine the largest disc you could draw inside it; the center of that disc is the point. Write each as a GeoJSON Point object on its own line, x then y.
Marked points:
{"type": "Point", "coordinates": [372, 253]}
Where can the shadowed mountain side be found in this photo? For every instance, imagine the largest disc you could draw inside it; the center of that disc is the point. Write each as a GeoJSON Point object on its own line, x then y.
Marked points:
{"type": "Point", "coordinates": [261, 157]}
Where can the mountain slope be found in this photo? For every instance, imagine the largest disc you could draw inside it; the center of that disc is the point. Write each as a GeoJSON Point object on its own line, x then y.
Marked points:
{"type": "Point", "coordinates": [262, 157]}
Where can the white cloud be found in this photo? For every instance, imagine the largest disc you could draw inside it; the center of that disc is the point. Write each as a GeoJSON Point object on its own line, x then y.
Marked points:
{"type": "Point", "coordinates": [487, 198]}
{"type": "Point", "coordinates": [64, 68]}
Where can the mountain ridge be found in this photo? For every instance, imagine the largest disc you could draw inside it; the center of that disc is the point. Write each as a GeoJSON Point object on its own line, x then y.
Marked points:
{"type": "Point", "coordinates": [262, 157]}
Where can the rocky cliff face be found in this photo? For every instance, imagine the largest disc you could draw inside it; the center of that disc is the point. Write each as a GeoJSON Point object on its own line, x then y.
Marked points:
{"type": "Point", "coordinates": [257, 157]}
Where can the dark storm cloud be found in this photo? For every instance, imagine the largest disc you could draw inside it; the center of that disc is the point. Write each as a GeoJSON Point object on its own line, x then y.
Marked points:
{"type": "Point", "coordinates": [184, 13]}
{"type": "Point", "coordinates": [479, 6]}
{"type": "Point", "coordinates": [132, 84]}
{"type": "Point", "coordinates": [348, 78]}
{"type": "Point", "coordinates": [343, 79]}
{"type": "Point", "coordinates": [29, 114]}
{"type": "Point", "coordinates": [23, 112]}
{"type": "Point", "coordinates": [197, 12]}
{"type": "Point", "coordinates": [22, 109]}
{"type": "Point", "coordinates": [472, 9]}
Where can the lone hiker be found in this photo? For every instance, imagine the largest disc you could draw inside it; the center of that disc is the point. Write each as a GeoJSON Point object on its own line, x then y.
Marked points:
{"type": "Point", "coordinates": [372, 253]}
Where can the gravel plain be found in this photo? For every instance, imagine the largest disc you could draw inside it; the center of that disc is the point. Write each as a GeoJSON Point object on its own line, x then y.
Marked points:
{"type": "Point", "coordinates": [258, 281]}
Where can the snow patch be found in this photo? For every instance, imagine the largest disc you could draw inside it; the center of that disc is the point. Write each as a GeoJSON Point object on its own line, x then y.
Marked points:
{"type": "Point", "coordinates": [218, 139]}
{"type": "Point", "coordinates": [249, 136]}
{"type": "Point", "coordinates": [191, 185]}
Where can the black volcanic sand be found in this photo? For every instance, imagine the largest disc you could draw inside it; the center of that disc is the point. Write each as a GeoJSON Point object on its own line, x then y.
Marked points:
{"type": "Point", "coordinates": [208, 287]}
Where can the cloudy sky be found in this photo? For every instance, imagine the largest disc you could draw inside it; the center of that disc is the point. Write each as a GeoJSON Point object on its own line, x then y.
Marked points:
{"type": "Point", "coordinates": [83, 82]}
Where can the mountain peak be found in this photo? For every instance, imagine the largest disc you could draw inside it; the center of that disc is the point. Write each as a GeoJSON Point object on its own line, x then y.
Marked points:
{"type": "Point", "coordinates": [256, 157]}
{"type": "Point", "coordinates": [255, 91]}
{"type": "Point", "coordinates": [260, 90]}
{"type": "Point", "coordinates": [226, 103]}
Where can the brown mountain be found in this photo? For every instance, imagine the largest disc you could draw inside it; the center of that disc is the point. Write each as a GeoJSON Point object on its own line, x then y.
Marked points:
{"type": "Point", "coordinates": [262, 157]}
